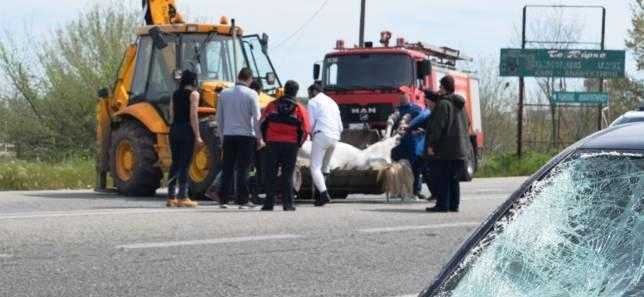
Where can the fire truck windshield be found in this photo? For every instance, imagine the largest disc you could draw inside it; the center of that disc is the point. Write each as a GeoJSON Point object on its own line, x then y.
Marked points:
{"type": "Point", "coordinates": [367, 71]}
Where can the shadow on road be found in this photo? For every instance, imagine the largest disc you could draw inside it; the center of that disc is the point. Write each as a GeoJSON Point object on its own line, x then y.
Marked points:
{"type": "Point", "coordinates": [398, 210]}
{"type": "Point", "coordinates": [372, 200]}
{"type": "Point", "coordinates": [92, 196]}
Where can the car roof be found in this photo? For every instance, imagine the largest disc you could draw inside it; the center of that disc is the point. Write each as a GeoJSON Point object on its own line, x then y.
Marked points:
{"type": "Point", "coordinates": [633, 114]}
{"type": "Point", "coordinates": [622, 137]}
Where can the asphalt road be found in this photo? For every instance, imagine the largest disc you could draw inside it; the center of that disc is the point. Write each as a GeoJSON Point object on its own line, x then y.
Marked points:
{"type": "Point", "coordinates": [79, 243]}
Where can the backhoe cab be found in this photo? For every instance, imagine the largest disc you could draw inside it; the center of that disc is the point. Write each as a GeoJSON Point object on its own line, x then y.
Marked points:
{"type": "Point", "coordinates": [133, 116]}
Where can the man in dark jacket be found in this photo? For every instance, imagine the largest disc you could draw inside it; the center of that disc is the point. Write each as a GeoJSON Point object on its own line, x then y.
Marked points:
{"type": "Point", "coordinates": [285, 126]}
{"type": "Point", "coordinates": [447, 145]}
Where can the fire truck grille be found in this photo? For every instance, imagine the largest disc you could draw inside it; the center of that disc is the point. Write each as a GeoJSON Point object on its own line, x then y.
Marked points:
{"type": "Point", "coordinates": [371, 113]}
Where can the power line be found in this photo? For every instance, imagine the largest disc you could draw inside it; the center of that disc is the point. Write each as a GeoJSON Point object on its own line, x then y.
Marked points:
{"type": "Point", "coordinates": [308, 21]}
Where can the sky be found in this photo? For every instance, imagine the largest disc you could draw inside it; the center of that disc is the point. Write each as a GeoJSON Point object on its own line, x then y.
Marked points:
{"type": "Point", "coordinates": [478, 28]}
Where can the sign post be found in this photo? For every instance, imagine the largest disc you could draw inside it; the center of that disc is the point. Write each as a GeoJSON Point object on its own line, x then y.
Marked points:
{"type": "Point", "coordinates": [575, 63]}
{"type": "Point", "coordinates": [562, 63]}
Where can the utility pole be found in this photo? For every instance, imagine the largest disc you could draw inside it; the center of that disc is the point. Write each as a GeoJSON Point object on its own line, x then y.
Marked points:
{"type": "Point", "coordinates": [601, 80]}
{"type": "Point", "coordinates": [521, 93]}
{"type": "Point", "coordinates": [362, 15]}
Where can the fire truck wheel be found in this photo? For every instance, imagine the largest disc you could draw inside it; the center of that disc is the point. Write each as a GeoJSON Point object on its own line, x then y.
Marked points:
{"type": "Point", "coordinates": [471, 163]}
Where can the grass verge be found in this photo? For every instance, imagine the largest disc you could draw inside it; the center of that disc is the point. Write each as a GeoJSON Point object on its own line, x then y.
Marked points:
{"type": "Point", "coordinates": [73, 173]}
{"type": "Point", "coordinates": [508, 164]}
{"type": "Point", "coordinates": [79, 173]}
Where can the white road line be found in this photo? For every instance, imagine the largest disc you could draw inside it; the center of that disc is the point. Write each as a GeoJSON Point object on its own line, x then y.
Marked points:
{"type": "Point", "coordinates": [420, 227]}
{"type": "Point", "coordinates": [82, 213]}
{"type": "Point", "coordinates": [5, 256]}
{"type": "Point", "coordinates": [207, 241]}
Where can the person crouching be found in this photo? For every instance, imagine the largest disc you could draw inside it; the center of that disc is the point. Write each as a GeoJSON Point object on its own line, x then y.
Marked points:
{"type": "Point", "coordinates": [285, 126]}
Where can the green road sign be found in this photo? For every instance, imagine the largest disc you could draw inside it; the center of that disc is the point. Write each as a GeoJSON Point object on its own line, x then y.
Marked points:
{"type": "Point", "coordinates": [580, 97]}
{"type": "Point", "coordinates": [562, 63]}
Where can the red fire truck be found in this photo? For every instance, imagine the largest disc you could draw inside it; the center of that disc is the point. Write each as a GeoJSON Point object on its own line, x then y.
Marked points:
{"type": "Point", "coordinates": [365, 82]}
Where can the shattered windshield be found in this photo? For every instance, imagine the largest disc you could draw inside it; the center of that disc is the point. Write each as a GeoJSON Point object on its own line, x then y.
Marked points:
{"type": "Point", "coordinates": [578, 232]}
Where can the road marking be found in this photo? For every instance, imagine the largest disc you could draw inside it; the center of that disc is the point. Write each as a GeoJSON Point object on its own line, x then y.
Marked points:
{"type": "Point", "coordinates": [421, 227]}
{"type": "Point", "coordinates": [59, 214]}
{"type": "Point", "coordinates": [207, 241]}
{"type": "Point", "coordinates": [5, 256]}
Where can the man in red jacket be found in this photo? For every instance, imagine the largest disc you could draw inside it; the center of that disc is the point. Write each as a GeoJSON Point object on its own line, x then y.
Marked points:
{"type": "Point", "coordinates": [285, 126]}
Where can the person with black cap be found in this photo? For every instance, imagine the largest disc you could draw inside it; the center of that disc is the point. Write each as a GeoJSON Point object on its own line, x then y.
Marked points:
{"type": "Point", "coordinates": [285, 126]}
{"type": "Point", "coordinates": [447, 143]}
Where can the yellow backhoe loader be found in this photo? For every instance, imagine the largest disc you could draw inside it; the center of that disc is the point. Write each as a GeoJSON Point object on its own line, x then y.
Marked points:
{"type": "Point", "coordinates": [132, 116]}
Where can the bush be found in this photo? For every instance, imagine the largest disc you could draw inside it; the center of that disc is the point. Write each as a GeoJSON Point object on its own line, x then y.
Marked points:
{"type": "Point", "coordinates": [508, 164]}
{"type": "Point", "coordinates": [73, 173]}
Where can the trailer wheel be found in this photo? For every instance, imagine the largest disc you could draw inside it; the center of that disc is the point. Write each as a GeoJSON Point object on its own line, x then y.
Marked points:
{"type": "Point", "coordinates": [133, 160]}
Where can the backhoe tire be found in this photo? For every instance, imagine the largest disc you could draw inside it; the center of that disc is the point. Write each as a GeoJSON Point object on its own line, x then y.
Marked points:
{"type": "Point", "coordinates": [133, 160]}
{"type": "Point", "coordinates": [206, 161]}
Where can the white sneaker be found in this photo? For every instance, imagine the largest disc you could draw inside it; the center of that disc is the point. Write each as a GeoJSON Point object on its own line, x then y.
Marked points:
{"type": "Point", "coordinates": [223, 206]}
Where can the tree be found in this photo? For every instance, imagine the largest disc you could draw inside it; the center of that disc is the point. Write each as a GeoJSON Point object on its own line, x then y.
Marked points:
{"type": "Point", "coordinates": [635, 39]}
{"type": "Point", "coordinates": [51, 94]}
{"type": "Point", "coordinates": [497, 101]}
{"type": "Point", "coordinates": [626, 94]}
{"type": "Point", "coordinates": [556, 32]}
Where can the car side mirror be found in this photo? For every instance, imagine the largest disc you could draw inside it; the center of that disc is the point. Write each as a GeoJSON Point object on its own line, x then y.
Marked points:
{"type": "Point", "coordinates": [423, 68]}
{"type": "Point", "coordinates": [103, 93]}
{"type": "Point", "coordinates": [157, 38]}
{"type": "Point", "coordinates": [316, 71]}
{"type": "Point", "coordinates": [264, 43]}
{"type": "Point", "coordinates": [270, 78]}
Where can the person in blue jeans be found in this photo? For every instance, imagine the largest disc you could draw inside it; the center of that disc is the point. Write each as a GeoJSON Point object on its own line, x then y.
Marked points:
{"type": "Point", "coordinates": [184, 134]}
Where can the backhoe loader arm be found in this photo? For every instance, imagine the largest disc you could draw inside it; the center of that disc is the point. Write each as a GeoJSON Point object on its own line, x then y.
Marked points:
{"type": "Point", "coordinates": [161, 12]}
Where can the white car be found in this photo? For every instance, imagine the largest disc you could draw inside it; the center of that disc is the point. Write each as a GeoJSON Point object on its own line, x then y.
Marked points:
{"type": "Point", "coordinates": [630, 117]}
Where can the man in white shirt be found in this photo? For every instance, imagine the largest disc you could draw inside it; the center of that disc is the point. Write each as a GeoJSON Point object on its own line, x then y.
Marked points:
{"type": "Point", "coordinates": [326, 127]}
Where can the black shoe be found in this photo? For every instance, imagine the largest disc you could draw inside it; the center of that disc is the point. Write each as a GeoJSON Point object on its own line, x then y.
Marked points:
{"type": "Point", "coordinates": [454, 210]}
{"type": "Point", "coordinates": [289, 208]}
{"type": "Point", "coordinates": [421, 196]}
{"type": "Point", "coordinates": [267, 208]}
{"type": "Point", "coordinates": [323, 199]}
{"type": "Point", "coordinates": [435, 209]}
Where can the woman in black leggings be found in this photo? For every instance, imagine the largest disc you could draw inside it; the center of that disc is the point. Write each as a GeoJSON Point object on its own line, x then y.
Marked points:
{"type": "Point", "coordinates": [184, 134]}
